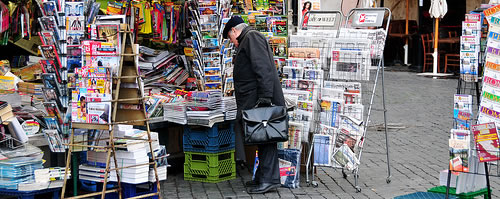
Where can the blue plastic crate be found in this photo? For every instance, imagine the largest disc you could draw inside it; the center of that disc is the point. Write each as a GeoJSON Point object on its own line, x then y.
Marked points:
{"type": "Point", "coordinates": [217, 139]}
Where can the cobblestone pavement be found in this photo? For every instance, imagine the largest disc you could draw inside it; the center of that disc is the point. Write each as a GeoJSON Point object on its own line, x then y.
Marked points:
{"type": "Point", "coordinates": [418, 152]}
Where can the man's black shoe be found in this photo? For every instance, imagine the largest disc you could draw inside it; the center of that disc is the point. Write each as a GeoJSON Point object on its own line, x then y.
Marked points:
{"type": "Point", "coordinates": [251, 183]}
{"type": "Point", "coordinates": [263, 188]}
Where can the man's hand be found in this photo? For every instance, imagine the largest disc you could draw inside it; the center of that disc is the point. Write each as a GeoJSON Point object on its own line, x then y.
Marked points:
{"type": "Point", "coordinates": [264, 101]}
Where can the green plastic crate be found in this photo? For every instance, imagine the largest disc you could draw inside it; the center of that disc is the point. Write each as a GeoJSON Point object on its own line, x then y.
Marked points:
{"type": "Point", "coordinates": [209, 167]}
{"type": "Point", "coordinates": [469, 195]}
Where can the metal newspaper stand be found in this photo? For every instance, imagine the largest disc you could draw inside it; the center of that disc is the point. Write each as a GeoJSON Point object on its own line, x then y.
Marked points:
{"type": "Point", "coordinates": [357, 49]}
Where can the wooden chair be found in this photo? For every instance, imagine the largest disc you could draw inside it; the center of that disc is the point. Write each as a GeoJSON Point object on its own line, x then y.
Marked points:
{"type": "Point", "coordinates": [452, 59]}
{"type": "Point", "coordinates": [427, 43]}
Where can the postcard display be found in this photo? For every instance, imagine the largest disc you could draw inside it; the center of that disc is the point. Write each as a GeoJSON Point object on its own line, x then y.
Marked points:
{"type": "Point", "coordinates": [328, 93]}
{"type": "Point", "coordinates": [82, 54]}
{"type": "Point", "coordinates": [470, 145]}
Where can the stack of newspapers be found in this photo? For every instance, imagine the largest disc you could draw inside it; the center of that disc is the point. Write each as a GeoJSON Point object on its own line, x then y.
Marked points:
{"type": "Point", "coordinates": [204, 108]}
{"type": "Point", "coordinates": [229, 104]}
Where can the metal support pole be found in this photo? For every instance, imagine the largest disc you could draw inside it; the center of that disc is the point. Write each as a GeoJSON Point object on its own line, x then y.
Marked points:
{"type": "Point", "coordinates": [486, 172]}
{"type": "Point", "coordinates": [388, 180]}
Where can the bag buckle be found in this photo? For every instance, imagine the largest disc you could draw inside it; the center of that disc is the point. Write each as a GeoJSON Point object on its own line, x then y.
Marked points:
{"type": "Point", "coordinates": [264, 123]}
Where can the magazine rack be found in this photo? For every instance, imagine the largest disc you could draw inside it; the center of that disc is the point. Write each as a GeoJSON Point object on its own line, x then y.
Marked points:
{"type": "Point", "coordinates": [127, 73]}
{"type": "Point", "coordinates": [359, 21]}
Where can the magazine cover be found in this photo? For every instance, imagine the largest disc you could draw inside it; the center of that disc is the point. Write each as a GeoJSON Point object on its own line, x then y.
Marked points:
{"type": "Point", "coordinates": [50, 81]}
{"type": "Point", "coordinates": [98, 108]}
{"type": "Point", "coordinates": [49, 94]}
{"type": "Point", "coordinates": [47, 38]}
{"type": "Point", "coordinates": [54, 140]}
{"type": "Point", "coordinates": [74, 8]}
{"type": "Point", "coordinates": [94, 48]}
{"type": "Point", "coordinates": [49, 52]}
{"type": "Point", "coordinates": [75, 23]}
{"type": "Point", "coordinates": [53, 111]}
{"type": "Point", "coordinates": [74, 38]}
{"type": "Point", "coordinates": [110, 34]}
{"type": "Point", "coordinates": [49, 8]}
{"type": "Point", "coordinates": [280, 27]}
{"type": "Point", "coordinates": [51, 123]}
{"type": "Point", "coordinates": [486, 140]}
{"type": "Point", "coordinates": [48, 66]}
{"type": "Point", "coordinates": [79, 105]}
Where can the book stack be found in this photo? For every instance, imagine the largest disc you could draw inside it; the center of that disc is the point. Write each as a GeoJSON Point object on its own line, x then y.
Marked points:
{"type": "Point", "coordinates": [134, 152]}
{"type": "Point", "coordinates": [14, 171]}
{"type": "Point", "coordinates": [230, 110]}
{"type": "Point", "coordinates": [470, 42]}
{"type": "Point", "coordinates": [31, 88]}
{"type": "Point", "coordinates": [204, 108]}
{"type": "Point", "coordinates": [49, 174]}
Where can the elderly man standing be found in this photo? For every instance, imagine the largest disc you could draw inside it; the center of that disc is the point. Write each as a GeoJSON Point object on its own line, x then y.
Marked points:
{"type": "Point", "coordinates": [256, 81]}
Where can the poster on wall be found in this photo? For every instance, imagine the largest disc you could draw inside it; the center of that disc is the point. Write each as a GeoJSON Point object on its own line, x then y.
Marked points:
{"type": "Point", "coordinates": [304, 7]}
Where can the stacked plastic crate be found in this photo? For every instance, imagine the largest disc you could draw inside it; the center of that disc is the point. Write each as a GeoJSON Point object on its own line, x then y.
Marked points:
{"type": "Point", "coordinates": [209, 153]}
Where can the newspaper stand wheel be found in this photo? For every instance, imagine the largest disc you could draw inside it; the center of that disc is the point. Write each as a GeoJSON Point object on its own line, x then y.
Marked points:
{"type": "Point", "coordinates": [314, 184]}
{"type": "Point", "coordinates": [358, 189]}
{"type": "Point", "coordinates": [388, 180]}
